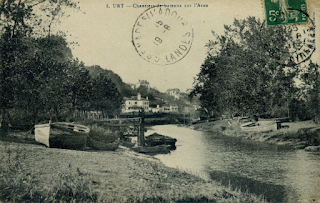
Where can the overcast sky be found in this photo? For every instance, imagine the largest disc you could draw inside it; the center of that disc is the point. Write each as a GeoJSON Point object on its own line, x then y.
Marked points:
{"type": "Point", "coordinates": [105, 34]}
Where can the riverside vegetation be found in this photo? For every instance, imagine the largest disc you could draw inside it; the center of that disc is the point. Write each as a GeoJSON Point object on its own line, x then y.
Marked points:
{"type": "Point", "coordinates": [299, 135]}
{"type": "Point", "coordinates": [31, 172]}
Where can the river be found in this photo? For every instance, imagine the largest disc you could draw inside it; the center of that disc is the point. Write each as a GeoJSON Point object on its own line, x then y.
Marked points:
{"type": "Point", "coordinates": [279, 173]}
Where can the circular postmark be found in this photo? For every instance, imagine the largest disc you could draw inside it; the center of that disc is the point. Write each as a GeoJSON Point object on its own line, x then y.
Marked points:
{"type": "Point", "coordinates": [302, 44]}
{"type": "Point", "coordinates": [299, 47]}
{"type": "Point", "coordinates": [161, 36]}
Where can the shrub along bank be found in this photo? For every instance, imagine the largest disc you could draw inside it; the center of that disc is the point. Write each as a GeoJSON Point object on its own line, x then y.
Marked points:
{"type": "Point", "coordinates": [299, 135]}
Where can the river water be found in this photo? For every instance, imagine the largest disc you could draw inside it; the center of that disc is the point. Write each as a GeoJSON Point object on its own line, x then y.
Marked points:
{"type": "Point", "coordinates": [279, 173]}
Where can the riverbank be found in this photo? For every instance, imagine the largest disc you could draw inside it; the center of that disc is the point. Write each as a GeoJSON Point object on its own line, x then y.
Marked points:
{"type": "Point", "coordinates": [298, 135]}
{"type": "Point", "coordinates": [34, 173]}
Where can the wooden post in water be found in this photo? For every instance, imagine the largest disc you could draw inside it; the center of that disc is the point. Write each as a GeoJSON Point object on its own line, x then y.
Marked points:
{"type": "Point", "coordinates": [141, 129]}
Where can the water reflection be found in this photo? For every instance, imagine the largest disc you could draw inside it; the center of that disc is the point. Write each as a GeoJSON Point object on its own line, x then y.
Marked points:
{"type": "Point", "coordinates": [279, 173]}
{"type": "Point", "coordinates": [304, 175]}
{"type": "Point", "coordinates": [189, 153]}
{"type": "Point", "coordinates": [272, 192]}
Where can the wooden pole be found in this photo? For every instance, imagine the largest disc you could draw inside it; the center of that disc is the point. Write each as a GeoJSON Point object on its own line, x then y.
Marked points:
{"type": "Point", "coordinates": [141, 129]}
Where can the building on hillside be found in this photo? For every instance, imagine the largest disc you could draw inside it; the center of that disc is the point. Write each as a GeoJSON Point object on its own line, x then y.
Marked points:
{"type": "Point", "coordinates": [175, 92]}
{"type": "Point", "coordinates": [144, 83]}
{"type": "Point", "coordinates": [135, 104]}
{"type": "Point", "coordinates": [157, 109]}
{"type": "Point", "coordinates": [133, 86]}
{"type": "Point", "coordinates": [174, 109]}
{"type": "Point", "coordinates": [170, 109]}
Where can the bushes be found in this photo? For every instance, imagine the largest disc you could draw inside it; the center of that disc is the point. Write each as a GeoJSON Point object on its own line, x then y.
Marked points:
{"type": "Point", "coordinates": [102, 134]}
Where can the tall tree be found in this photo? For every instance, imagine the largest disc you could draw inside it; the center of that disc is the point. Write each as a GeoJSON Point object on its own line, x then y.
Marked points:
{"type": "Point", "coordinates": [105, 95]}
{"type": "Point", "coordinates": [19, 20]}
{"type": "Point", "coordinates": [311, 89]}
{"type": "Point", "coordinates": [80, 86]}
{"type": "Point", "coordinates": [244, 70]}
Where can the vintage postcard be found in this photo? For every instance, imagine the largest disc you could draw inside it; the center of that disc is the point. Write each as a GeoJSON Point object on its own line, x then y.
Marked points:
{"type": "Point", "coordinates": [159, 101]}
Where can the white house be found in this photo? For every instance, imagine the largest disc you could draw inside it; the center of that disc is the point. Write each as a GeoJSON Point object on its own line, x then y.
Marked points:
{"type": "Point", "coordinates": [175, 92]}
{"type": "Point", "coordinates": [135, 103]}
{"type": "Point", "coordinates": [144, 83]}
{"type": "Point", "coordinates": [170, 109]}
{"type": "Point", "coordinates": [174, 109]}
{"type": "Point", "coordinates": [157, 109]}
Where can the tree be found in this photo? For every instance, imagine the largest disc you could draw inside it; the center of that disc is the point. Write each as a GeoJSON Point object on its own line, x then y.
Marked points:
{"type": "Point", "coordinates": [42, 83]}
{"type": "Point", "coordinates": [122, 87]}
{"type": "Point", "coordinates": [244, 72]}
{"type": "Point", "coordinates": [311, 89]}
{"type": "Point", "coordinates": [80, 86]}
{"type": "Point", "coordinates": [105, 95]}
{"type": "Point", "coordinates": [18, 23]}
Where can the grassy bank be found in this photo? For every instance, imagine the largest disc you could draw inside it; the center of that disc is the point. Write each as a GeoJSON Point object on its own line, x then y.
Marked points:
{"type": "Point", "coordinates": [298, 135]}
{"type": "Point", "coordinates": [34, 173]}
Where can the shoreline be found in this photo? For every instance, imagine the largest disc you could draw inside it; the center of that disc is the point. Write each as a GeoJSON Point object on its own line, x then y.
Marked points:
{"type": "Point", "coordinates": [298, 135]}
{"type": "Point", "coordinates": [41, 174]}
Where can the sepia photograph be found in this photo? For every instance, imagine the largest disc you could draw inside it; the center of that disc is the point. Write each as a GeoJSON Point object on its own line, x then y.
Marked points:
{"type": "Point", "coordinates": [158, 101]}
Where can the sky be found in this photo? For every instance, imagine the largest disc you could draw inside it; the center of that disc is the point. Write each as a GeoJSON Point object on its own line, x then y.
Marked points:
{"type": "Point", "coordinates": [104, 37]}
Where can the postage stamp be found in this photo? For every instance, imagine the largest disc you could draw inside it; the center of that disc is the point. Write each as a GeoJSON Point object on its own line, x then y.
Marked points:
{"type": "Point", "coordinates": [161, 36]}
{"type": "Point", "coordinates": [285, 12]}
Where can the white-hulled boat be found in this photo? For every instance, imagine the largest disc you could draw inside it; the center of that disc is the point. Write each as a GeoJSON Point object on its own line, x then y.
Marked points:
{"type": "Point", "coordinates": [62, 135]}
{"type": "Point", "coordinates": [260, 126]}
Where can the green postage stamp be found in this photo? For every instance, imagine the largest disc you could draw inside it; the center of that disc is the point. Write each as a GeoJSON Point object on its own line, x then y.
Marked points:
{"type": "Point", "coordinates": [285, 12]}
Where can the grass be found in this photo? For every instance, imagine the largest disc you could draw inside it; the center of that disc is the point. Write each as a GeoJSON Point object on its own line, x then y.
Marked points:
{"type": "Point", "coordinates": [32, 173]}
{"type": "Point", "coordinates": [20, 185]}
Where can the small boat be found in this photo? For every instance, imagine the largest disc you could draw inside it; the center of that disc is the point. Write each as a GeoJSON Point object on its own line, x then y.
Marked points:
{"type": "Point", "coordinates": [127, 144]}
{"type": "Point", "coordinates": [131, 131]}
{"type": "Point", "coordinates": [159, 149]}
{"type": "Point", "coordinates": [282, 120]}
{"type": "Point", "coordinates": [62, 135]}
{"type": "Point", "coordinates": [157, 139]}
{"type": "Point", "coordinates": [100, 145]}
{"type": "Point", "coordinates": [261, 126]}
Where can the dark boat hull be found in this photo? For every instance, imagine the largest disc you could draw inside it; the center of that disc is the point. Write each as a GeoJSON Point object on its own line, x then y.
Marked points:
{"type": "Point", "coordinates": [63, 135]}
{"type": "Point", "coordinates": [157, 139]}
{"type": "Point", "coordinates": [160, 149]}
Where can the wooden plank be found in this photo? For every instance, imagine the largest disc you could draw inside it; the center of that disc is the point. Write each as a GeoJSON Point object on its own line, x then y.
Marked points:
{"type": "Point", "coordinates": [123, 125]}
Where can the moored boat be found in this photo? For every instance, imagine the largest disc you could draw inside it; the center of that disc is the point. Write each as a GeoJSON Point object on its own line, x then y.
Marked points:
{"type": "Point", "coordinates": [131, 131]}
{"type": "Point", "coordinates": [261, 126]}
{"type": "Point", "coordinates": [157, 139]}
{"type": "Point", "coordinates": [62, 135]}
{"type": "Point", "coordinates": [159, 149]}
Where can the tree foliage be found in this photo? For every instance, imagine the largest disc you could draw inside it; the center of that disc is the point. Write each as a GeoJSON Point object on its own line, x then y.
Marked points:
{"type": "Point", "coordinates": [105, 95]}
{"type": "Point", "coordinates": [310, 89]}
{"type": "Point", "coordinates": [244, 72]}
{"type": "Point", "coordinates": [39, 79]}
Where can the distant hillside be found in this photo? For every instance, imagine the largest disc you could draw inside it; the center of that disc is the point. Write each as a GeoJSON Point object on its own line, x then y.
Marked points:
{"type": "Point", "coordinates": [155, 97]}
{"type": "Point", "coordinates": [123, 88]}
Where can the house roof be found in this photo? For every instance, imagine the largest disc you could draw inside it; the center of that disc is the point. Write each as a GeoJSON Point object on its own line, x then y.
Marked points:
{"type": "Point", "coordinates": [173, 89]}
{"type": "Point", "coordinates": [143, 82]}
{"type": "Point", "coordinates": [134, 98]}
